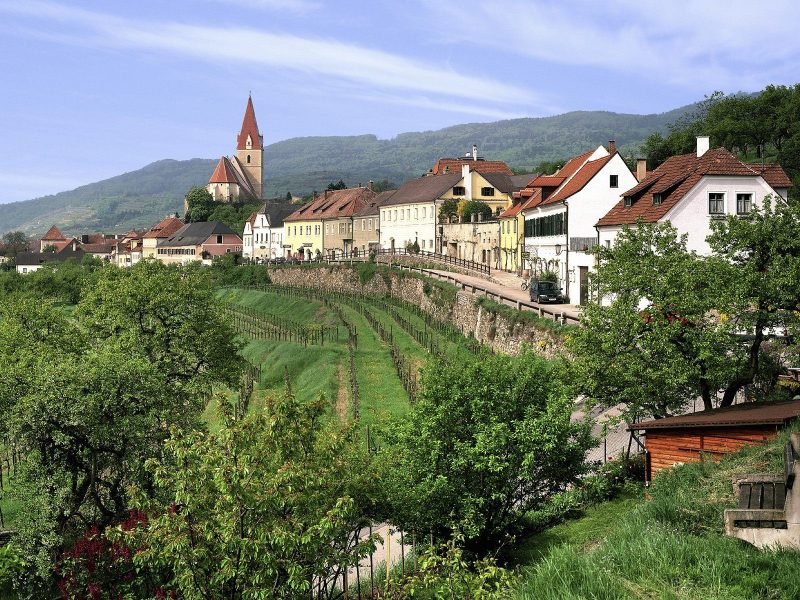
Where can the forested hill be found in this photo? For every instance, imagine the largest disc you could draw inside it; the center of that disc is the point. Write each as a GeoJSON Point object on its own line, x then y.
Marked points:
{"type": "Point", "coordinates": [301, 165]}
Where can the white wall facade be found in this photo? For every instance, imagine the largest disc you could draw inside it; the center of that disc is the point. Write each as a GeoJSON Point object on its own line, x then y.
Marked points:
{"type": "Point", "coordinates": [260, 240]}
{"type": "Point", "coordinates": [402, 224]}
{"type": "Point", "coordinates": [691, 215]}
{"type": "Point", "coordinates": [583, 209]}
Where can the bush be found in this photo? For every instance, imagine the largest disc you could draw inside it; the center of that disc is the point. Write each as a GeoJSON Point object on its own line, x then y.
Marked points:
{"type": "Point", "coordinates": [476, 207]}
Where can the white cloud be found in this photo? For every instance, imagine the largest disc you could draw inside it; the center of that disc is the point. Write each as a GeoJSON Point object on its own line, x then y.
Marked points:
{"type": "Point", "coordinates": [738, 44]}
{"type": "Point", "coordinates": [372, 69]}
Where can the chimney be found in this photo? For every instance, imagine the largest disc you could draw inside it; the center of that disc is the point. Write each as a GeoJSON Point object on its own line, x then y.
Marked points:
{"type": "Point", "coordinates": [703, 144]}
{"type": "Point", "coordinates": [326, 194]}
{"type": "Point", "coordinates": [641, 168]}
{"type": "Point", "coordinates": [371, 183]}
{"type": "Point", "coordinates": [474, 152]}
{"type": "Point", "coordinates": [612, 146]}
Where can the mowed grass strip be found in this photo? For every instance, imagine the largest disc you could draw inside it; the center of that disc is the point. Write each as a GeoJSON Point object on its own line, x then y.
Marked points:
{"type": "Point", "coordinates": [381, 392]}
{"type": "Point", "coordinates": [294, 308]}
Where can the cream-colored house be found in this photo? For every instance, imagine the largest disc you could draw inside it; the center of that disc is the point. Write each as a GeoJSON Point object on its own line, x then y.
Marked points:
{"type": "Point", "coordinates": [159, 232]}
{"type": "Point", "coordinates": [202, 241]}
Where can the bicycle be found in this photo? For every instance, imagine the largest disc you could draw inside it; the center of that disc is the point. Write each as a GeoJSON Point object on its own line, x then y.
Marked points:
{"type": "Point", "coordinates": [524, 285]}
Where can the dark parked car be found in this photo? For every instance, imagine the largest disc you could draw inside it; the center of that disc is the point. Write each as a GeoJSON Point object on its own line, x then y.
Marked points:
{"type": "Point", "coordinates": [545, 291]}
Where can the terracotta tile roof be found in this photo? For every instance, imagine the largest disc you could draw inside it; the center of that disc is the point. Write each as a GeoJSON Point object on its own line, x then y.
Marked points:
{"type": "Point", "coordinates": [750, 413]}
{"type": "Point", "coordinates": [513, 210]}
{"type": "Point", "coordinates": [164, 228]}
{"type": "Point", "coordinates": [334, 204]}
{"type": "Point", "coordinates": [224, 172]}
{"type": "Point", "coordinates": [252, 219]}
{"type": "Point", "coordinates": [249, 127]}
{"type": "Point", "coordinates": [547, 181]}
{"type": "Point", "coordinates": [98, 248]}
{"type": "Point", "coordinates": [53, 235]}
{"type": "Point", "coordinates": [579, 180]}
{"type": "Point", "coordinates": [371, 208]}
{"type": "Point", "coordinates": [673, 179]}
{"type": "Point", "coordinates": [453, 165]}
{"type": "Point", "coordinates": [774, 175]}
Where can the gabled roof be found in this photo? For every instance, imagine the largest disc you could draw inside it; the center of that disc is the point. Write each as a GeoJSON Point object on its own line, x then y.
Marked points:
{"type": "Point", "coordinates": [164, 228]}
{"type": "Point", "coordinates": [249, 128]}
{"type": "Point", "coordinates": [749, 413]}
{"type": "Point", "coordinates": [53, 235]}
{"type": "Point", "coordinates": [333, 204]}
{"type": "Point", "coordinates": [500, 181]}
{"type": "Point", "coordinates": [675, 177]}
{"type": "Point", "coordinates": [578, 181]}
{"type": "Point", "coordinates": [774, 175]}
{"type": "Point", "coordinates": [29, 259]}
{"type": "Point", "coordinates": [453, 165]}
{"type": "Point", "coordinates": [194, 234]}
{"type": "Point", "coordinates": [372, 207]}
{"type": "Point", "coordinates": [521, 181]}
{"type": "Point", "coordinates": [423, 189]}
{"type": "Point", "coordinates": [224, 172]}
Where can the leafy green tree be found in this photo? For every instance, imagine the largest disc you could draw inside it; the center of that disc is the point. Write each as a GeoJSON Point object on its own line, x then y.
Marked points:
{"type": "Point", "coordinates": [448, 208]}
{"type": "Point", "coordinates": [200, 204]}
{"type": "Point", "coordinates": [680, 326]}
{"type": "Point", "coordinates": [15, 242]}
{"type": "Point", "coordinates": [261, 509]}
{"type": "Point", "coordinates": [89, 398]}
{"type": "Point", "coordinates": [476, 207]}
{"type": "Point", "coordinates": [487, 441]}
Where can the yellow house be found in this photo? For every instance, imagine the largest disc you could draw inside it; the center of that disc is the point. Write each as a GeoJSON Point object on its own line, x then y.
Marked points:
{"type": "Point", "coordinates": [324, 225]}
{"type": "Point", "coordinates": [512, 229]}
{"type": "Point", "coordinates": [159, 232]}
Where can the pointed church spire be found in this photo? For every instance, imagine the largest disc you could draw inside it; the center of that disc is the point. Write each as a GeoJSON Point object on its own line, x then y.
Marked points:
{"type": "Point", "coordinates": [249, 137]}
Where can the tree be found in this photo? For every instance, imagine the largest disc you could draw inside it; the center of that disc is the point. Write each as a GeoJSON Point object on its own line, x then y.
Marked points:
{"type": "Point", "coordinates": [487, 441]}
{"type": "Point", "coordinates": [476, 207]}
{"type": "Point", "coordinates": [15, 242]}
{"type": "Point", "coordinates": [678, 326]}
{"type": "Point", "coordinates": [263, 508]}
{"type": "Point", "coordinates": [91, 397]}
{"type": "Point", "coordinates": [448, 209]}
{"type": "Point", "coordinates": [289, 197]}
{"type": "Point", "coordinates": [383, 185]}
{"type": "Point", "coordinates": [200, 204]}
{"type": "Point", "coordinates": [340, 185]}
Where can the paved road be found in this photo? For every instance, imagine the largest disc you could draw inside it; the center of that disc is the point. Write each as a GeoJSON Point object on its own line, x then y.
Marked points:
{"type": "Point", "coordinates": [508, 285]}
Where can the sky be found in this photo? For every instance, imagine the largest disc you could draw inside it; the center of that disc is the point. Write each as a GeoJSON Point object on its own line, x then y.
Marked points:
{"type": "Point", "coordinates": [95, 89]}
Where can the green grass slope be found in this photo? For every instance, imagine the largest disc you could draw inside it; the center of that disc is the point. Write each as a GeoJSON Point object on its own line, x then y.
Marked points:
{"type": "Point", "coordinates": [665, 542]}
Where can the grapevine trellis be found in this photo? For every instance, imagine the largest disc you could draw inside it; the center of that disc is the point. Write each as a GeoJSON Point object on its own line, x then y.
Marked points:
{"type": "Point", "coordinates": [261, 326]}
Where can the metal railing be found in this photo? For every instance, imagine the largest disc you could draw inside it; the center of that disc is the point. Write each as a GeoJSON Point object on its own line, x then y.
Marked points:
{"type": "Point", "coordinates": [435, 256]}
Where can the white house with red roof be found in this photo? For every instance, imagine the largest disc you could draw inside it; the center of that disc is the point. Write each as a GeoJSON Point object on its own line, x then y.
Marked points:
{"type": "Point", "coordinates": [263, 232]}
{"type": "Point", "coordinates": [691, 191]}
{"type": "Point", "coordinates": [559, 224]}
{"type": "Point", "coordinates": [240, 177]}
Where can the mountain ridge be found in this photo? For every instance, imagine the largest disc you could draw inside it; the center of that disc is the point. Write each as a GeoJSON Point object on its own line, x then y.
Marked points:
{"type": "Point", "coordinates": [138, 198]}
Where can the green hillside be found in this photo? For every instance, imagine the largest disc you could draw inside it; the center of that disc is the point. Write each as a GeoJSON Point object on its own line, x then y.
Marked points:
{"type": "Point", "coordinates": [301, 165]}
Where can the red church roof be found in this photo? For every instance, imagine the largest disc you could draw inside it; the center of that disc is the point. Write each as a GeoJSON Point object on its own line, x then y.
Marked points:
{"type": "Point", "coordinates": [224, 173]}
{"type": "Point", "coordinates": [53, 235]}
{"type": "Point", "coordinates": [249, 128]}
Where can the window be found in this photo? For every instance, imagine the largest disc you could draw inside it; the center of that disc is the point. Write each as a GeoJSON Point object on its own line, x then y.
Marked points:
{"type": "Point", "coordinates": [408, 213]}
{"type": "Point", "coordinates": [716, 203]}
{"type": "Point", "coordinates": [402, 214]}
{"type": "Point", "coordinates": [317, 229]}
{"type": "Point", "coordinates": [487, 191]}
{"type": "Point", "coordinates": [423, 244]}
{"type": "Point", "coordinates": [744, 203]}
{"type": "Point", "coordinates": [424, 212]}
{"type": "Point", "coordinates": [613, 181]}
{"type": "Point", "coordinates": [248, 159]}
{"type": "Point", "coordinates": [363, 224]}
{"type": "Point", "coordinates": [308, 229]}
{"type": "Point", "coordinates": [430, 244]}
{"type": "Point", "coordinates": [369, 225]}
{"type": "Point", "coordinates": [459, 190]}
{"type": "Point", "coordinates": [656, 199]}
{"type": "Point", "coordinates": [628, 201]}
{"type": "Point", "coordinates": [416, 213]}
{"type": "Point", "coordinates": [219, 239]}
{"type": "Point", "coordinates": [326, 228]}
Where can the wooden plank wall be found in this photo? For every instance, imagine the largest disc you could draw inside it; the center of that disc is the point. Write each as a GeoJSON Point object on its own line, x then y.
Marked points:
{"type": "Point", "coordinates": [670, 446]}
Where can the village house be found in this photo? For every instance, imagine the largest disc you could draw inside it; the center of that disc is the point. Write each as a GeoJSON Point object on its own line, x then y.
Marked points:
{"type": "Point", "coordinates": [324, 226]}
{"type": "Point", "coordinates": [30, 262]}
{"type": "Point", "coordinates": [691, 191]}
{"type": "Point", "coordinates": [158, 233]}
{"type": "Point", "coordinates": [512, 226]}
{"type": "Point", "coordinates": [366, 224]}
{"type": "Point", "coordinates": [128, 249]}
{"type": "Point", "coordinates": [263, 232]}
{"type": "Point", "coordinates": [559, 228]}
{"type": "Point", "coordinates": [201, 241]}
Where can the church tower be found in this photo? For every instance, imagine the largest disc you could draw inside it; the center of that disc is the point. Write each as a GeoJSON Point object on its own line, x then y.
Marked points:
{"type": "Point", "coordinates": [250, 150]}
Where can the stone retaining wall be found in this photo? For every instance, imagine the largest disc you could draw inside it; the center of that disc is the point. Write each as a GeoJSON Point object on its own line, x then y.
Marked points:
{"type": "Point", "coordinates": [495, 330]}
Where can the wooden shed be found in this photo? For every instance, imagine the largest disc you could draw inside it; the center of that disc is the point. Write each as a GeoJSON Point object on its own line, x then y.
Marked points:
{"type": "Point", "coordinates": [713, 432]}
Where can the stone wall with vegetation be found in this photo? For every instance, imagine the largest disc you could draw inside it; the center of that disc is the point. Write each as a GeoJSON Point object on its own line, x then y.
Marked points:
{"type": "Point", "coordinates": [503, 328]}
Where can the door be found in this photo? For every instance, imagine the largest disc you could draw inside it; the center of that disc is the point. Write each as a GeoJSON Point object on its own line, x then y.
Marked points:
{"type": "Point", "coordinates": [584, 283]}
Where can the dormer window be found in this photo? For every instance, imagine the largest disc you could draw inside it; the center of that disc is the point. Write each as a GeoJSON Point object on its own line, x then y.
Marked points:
{"type": "Point", "coordinates": [628, 201]}
{"type": "Point", "coordinates": [656, 199]}
{"type": "Point", "coordinates": [249, 143]}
